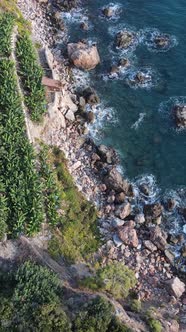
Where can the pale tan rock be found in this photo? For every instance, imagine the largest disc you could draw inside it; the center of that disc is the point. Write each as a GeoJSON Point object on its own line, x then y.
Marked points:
{"type": "Point", "coordinates": [83, 56]}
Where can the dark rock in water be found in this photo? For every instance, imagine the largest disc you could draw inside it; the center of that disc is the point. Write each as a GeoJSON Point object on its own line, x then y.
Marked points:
{"type": "Point", "coordinates": [83, 55]}
{"type": "Point", "coordinates": [84, 26]}
{"type": "Point", "coordinates": [142, 78]}
{"type": "Point", "coordinates": [108, 12]}
{"type": "Point", "coordinates": [170, 204]}
{"type": "Point", "coordinates": [120, 198]}
{"type": "Point", "coordinates": [107, 154]}
{"type": "Point", "coordinates": [123, 210]}
{"type": "Point", "coordinates": [93, 99]}
{"type": "Point", "coordinates": [144, 189]}
{"type": "Point", "coordinates": [124, 62]}
{"type": "Point", "coordinates": [179, 113]}
{"type": "Point", "coordinates": [183, 251]}
{"type": "Point", "coordinates": [162, 41]}
{"type": "Point", "coordinates": [152, 211]}
{"type": "Point", "coordinates": [128, 234]}
{"type": "Point", "coordinates": [90, 117]}
{"type": "Point", "coordinates": [114, 70]}
{"type": "Point", "coordinates": [91, 96]}
{"type": "Point", "coordinates": [158, 237]}
{"type": "Point", "coordinates": [114, 180]}
{"type": "Point", "coordinates": [124, 39]}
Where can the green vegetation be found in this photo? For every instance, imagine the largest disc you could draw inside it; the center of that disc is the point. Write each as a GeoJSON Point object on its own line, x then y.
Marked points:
{"type": "Point", "coordinates": [6, 28]}
{"type": "Point", "coordinates": [21, 194]}
{"type": "Point", "coordinates": [98, 316]}
{"type": "Point", "coordinates": [31, 300]}
{"type": "Point", "coordinates": [51, 192]}
{"type": "Point", "coordinates": [115, 278]}
{"type": "Point", "coordinates": [31, 75]}
{"type": "Point", "coordinates": [154, 324]}
{"type": "Point", "coordinates": [77, 237]}
{"type": "Point", "coordinates": [136, 305]}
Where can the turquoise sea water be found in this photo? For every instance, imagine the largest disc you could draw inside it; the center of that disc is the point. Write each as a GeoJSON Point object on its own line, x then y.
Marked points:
{"type": "Point", "coordinates": [152, 146]}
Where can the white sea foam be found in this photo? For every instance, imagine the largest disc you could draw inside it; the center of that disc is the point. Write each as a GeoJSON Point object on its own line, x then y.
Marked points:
{"type": "Point", "coordinates": [154, 190]}
{"type": "Point", "coordinates": [80, 78]}
{"type": "Point", "coordinates": [150, 34]}
{"type": "Point", "coordinates": [103, 115]}
{"type": "Point", "coordinates": [139, 121]}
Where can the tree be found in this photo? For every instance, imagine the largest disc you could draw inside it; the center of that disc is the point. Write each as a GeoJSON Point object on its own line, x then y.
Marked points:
{"type": "Point", "coordinates": [36, 286]}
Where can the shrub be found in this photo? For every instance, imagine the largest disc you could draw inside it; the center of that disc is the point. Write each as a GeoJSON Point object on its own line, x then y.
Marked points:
{"type": "Point", "coordinates": [117, 279]}
{"type": "Point", "coordinates": [36, 286]}
{"type": "Point", "coordinates": [95, 317]}
{"type": "Point", "coordinates": [136, 305]}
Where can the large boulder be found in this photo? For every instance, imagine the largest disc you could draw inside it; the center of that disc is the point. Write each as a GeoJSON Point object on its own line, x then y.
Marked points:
{"type": "Point", "coordinates": [83, 55]}
{"type": "Point", "coordinates": [177, 287]}
{"type": "Point", "coordinates": [114, 180]}
{"type": "Point", "coordinates": [179, 113]}
{"type": "Point", "coordinates": [123, 210]}
{"type": "Point", "coordinates": [158, 237]}
{"type": "Point", "coordinates": [128, 234]}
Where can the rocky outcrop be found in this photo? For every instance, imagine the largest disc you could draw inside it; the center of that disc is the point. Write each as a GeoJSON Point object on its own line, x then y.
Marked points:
{"type": "Point", "coordinates": [83, 56]}
{"type": "Point", "coordinates": [179, 113]}
{"type": "Point", "coordinates": [124, 39]}
{"type": "Point", "coordinates": [114, 180]}
{"type": "Point", "coordinates": [108, 12]}
{"type": "Point", "coordinates": [128, 234]}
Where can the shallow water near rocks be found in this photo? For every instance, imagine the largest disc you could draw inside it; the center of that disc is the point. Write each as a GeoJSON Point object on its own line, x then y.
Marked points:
{"type": "Point", "coordinates": [153, 146]}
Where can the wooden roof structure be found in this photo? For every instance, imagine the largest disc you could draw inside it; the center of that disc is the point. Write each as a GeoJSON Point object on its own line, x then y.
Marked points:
{"type": "Point", "coordinates": [51, 84]}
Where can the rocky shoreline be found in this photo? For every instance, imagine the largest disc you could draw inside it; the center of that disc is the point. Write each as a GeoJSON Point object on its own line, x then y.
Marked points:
{"type": "Point", "coordinates": [130, 234]}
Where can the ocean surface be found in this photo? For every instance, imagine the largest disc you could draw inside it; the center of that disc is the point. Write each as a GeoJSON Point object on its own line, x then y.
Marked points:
{"type": "Point", "coordinates": [136, 120]}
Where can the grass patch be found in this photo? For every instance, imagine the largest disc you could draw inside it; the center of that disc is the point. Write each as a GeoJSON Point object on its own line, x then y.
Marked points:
{"type": "Point", "coordinates": [77, 236]}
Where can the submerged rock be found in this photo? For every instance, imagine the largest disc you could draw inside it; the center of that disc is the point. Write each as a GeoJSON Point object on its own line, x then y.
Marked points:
{"type": "Point", "coordinates": [124, 62]}
{"type": "Point", "coordinates": [162, 41]}
{"type": "Point", "coordinates": [179, 113]}
{"type": "Point", "coordinates": [83, 55]}
{"type": "Point", "coordinates": [124, 39]}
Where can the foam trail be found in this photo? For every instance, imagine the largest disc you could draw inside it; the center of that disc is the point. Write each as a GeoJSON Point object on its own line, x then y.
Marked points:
{"type": "Point", "coordinates": [138, 122]}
